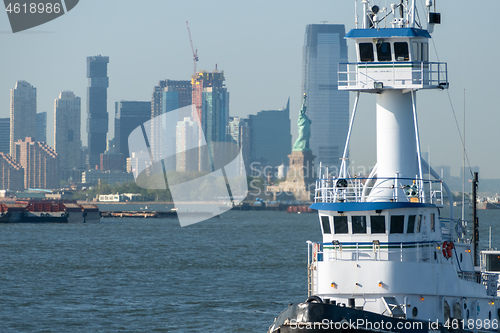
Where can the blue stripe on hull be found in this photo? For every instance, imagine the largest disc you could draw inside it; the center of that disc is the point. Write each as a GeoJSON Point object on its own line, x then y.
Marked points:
{"type": "Point", "coordinates": [365, 206]}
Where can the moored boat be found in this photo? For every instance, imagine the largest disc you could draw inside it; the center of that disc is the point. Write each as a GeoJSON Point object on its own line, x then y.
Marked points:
{"type": "Point", "coordinates": [48, 211]}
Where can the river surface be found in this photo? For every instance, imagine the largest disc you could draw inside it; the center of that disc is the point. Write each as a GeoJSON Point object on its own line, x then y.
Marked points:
{"type": "Point", "coordinates": [228, 274]}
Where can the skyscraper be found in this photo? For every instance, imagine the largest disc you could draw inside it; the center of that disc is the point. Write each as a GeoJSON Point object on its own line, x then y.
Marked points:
{"type": "Point", "coordinates": [167, 96]}
{"type": "Point", "coordinates": [97, 112]}
{"type": "Point", "coordinates": [22, 113]}
{"type": "Point", "coordinates": [327, 107]}
{"type": "Point", "coordinates": [67, 124]}
{"type": "Point", "coordinates": [211, 99]}
{"type": "Point", "coordinates": [129, 115]}
{"type": "Point", "coordinates": [239, 132]}
{"type": "Point", "coordinates": [271, 137]}
{"type": "Point", "coordinates": [41, 127]}
{"type": "Point", "coordinates": [211, 107]}
{"type": "Point", "coordinates": [40, 164]}
{"type": "Point", "coordinates": [5, 135]}
{"type": "Point", "coordinates": [186, 136]}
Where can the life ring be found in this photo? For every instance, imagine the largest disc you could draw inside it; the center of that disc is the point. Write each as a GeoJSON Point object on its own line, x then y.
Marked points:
{"type": "Point", "coordinates": [447, 249]}
{"type": "Point", "coordinates": [445, 253]}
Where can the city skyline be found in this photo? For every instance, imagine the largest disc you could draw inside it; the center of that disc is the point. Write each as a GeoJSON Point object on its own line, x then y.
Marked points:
{"type": "Point", "coordinates": [246, 47]}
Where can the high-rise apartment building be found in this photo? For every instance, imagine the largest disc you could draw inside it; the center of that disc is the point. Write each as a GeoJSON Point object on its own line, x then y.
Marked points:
{"type": "Point", "coordinates": [327, 107]}
{"type": "Point", "coordinates": [97, 112]}
{"type": "Point", "coordinates": [41, 126]}
{"type": "Point", "coordinates": [271, 137]}
{"type": "Point", "coordinates": [5, 135]}
{"type": "Point", "coordinates": [40, 164]}
{"type": "Point", "coordinates": [129, 115]}
{"type": "Point", "coordinates": [186, 137]}
{"type": "Point", "coordinates": [167, 96]}
{"type": "Point", "coordinates": [22, 113]}
{"type": "Point", "coordinates": [11, 174]}
{"type": "Point", "coordinates": [67, 136]}
{"type": "Point", "coordinates": [239, 132]}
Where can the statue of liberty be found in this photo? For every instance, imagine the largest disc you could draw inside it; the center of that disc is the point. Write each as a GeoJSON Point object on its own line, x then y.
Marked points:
{"type": "Point", "coordinates": [304, 124]}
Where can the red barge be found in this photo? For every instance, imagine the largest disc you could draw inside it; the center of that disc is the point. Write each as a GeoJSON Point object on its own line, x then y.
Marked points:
{"type": "Point", "coordinates": [48, 211]}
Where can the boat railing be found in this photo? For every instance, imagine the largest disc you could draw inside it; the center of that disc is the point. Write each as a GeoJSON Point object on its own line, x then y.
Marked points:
{"type": "Point", "coordinates": [397, 251]}
{"type": "Point", "coordinates": [330, 190]}
{"type": "Point", "coordinates": [489, 280]}
{"type": "Point", "coordinates": [396, 75]}
{"type": "Point", "coordinates": [470, 276]}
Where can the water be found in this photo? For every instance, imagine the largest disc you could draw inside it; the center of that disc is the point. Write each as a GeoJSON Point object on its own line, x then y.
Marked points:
{"type": "Point", "coordinates": [228, 274]}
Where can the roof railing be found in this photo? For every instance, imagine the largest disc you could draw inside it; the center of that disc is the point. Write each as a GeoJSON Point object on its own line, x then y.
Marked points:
{"type": "Point", "coordinates": [392, 75]}
{"type": "Point", "coordinates": [332, 190]}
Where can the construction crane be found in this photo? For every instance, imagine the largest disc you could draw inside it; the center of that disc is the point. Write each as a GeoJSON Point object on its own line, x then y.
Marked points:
{"type": "Point", "coordinates": [195, 52]}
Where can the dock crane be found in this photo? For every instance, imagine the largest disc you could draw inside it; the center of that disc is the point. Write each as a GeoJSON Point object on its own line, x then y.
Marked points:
{"type": "Point", "coordinates": [195, 52]}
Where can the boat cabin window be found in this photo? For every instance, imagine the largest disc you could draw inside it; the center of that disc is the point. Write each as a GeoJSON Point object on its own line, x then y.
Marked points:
{"type": "Point", "coordinates": [340, 224]}
{"type": "Point", "coordinates": [425, 52]}
{"type": "Point", "coordinates": [358, 224]}
{"type": "Point", "coordinates": [420, 51]}
{"type": "Point", "coordinates": [433, 223]}
{"type": "Point", "coordinates": [401, 51]}
{"type": "Point", "coordinates": [419, 223]}
{"type": "Point", "coordinates": [366, 52]}
{"type": "Point", "coordinates": [397, 224]}
{"type": "Point", "coordinates": [493, 262]}
{"type": "Point", "coordinates": [384, 51]}
{"type": "Point", "coordinates": [416, 51]}
{"type": "Point", "coordinates": [411, 224]}
{"type": "Point", "coordinates": [325, 221]}
{"type": "Point", "coordinates": [377, 224]}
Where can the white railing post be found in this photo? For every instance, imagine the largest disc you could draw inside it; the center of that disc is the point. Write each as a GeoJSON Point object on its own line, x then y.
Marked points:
{"type": "Point", "coordinates": [394, 73]}
{"type": "Point", "coordinates": [442, 199]}
{"type": "Point", "coordinates": [395, 187]}
{"type": "Point", "coordinates": [401, 251]}
{"type": "Point", "coordinates": [308, 252]}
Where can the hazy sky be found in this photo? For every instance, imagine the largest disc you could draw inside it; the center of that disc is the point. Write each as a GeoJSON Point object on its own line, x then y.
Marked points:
{"type": "Point", "coordinates": [259, 45]}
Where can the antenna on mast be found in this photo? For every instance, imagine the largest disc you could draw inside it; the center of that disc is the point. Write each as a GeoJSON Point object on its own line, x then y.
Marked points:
{"type": "Point", "coordinates": [195, 51]}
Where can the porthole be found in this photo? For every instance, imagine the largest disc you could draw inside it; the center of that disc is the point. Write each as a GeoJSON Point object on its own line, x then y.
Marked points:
{"type": "Point", "coordinates": [489, 315]}
{"type": "Point", "coordinates": [414, 312]}
{"type": "Point", "coordinates": [461, 257]}
{"type": "Point", "coordinates": [435, 256]}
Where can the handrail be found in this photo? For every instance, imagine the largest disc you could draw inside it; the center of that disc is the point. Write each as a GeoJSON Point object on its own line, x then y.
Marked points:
{"type": "Point", "coordinates": [351, 190]}
{"type": "Point", "coordinates": [416, 74]}
{"type": "Point", "coordinates": [398, 251]}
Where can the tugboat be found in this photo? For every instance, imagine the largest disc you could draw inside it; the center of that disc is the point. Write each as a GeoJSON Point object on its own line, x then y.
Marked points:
{"type": "Point", "coordinates": [389, 261]}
